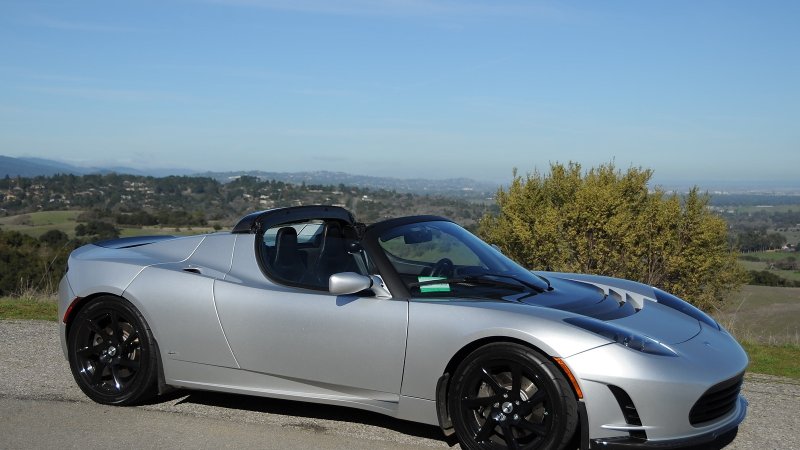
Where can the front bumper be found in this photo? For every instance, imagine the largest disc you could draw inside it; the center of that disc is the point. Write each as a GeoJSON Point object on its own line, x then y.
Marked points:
{"type": "Point", "coordinates": [715, 439]}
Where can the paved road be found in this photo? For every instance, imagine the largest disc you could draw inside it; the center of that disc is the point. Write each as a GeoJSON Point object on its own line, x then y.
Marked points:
{"type": "Point", "coordinates": [40, 407]}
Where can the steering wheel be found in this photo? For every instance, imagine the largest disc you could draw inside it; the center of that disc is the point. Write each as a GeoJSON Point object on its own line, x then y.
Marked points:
{"type": "Point", "coordinates": [443, 268]}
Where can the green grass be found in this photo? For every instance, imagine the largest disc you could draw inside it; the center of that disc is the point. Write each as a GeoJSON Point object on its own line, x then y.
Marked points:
{"type": "Point", "coordinates": [772, 256]}
{"type": "Point", "coordinates": [28, 308]}
{"type": "Point", "coordinates": [38, 223]}
{"type": "Point", "coordinates": [780, 360]}
{"type": "Point", "coordinates": [766, 258]}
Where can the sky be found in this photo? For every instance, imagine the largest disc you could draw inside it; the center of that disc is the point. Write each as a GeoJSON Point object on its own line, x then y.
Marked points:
{"type": "Point", "coordinates": [698, 91]}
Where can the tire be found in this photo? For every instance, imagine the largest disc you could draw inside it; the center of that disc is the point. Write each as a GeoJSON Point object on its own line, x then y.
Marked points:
{"type": "Point", "coordinates": [506, 395]}
{"type": "Point", "coordinates": [112, 353]}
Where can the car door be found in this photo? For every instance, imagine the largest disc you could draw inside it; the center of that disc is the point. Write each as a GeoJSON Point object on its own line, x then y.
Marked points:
{"type": "Point", "coordinates": [348, 346]}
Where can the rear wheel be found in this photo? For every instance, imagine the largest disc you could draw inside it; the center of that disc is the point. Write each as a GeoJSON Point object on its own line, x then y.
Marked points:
{"type": "Point", "coordinates": [112, 352]}
{"type": "Point", "coordinates": [507, 396]}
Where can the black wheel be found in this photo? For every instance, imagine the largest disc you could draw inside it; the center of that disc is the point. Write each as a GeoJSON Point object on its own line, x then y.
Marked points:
{"type": "Point", "coordinates": [509, 396]}
{"type": "Point", "coordinates": [112, 353]}
{"type": "Point", "coordinates": [443, 268]}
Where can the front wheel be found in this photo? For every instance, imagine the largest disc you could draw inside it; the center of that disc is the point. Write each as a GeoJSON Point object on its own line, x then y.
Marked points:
{"type": "Point", "coordinates": [507, 396]}
{"type": "Point", "coordinates": [112, 352]}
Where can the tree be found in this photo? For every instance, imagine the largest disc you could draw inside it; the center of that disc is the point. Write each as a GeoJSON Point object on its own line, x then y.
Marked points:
{"type": "Point", "coordinates": [604, 221]}
{"type": "Point", "coordinates": [97, 230]}
{"type": "Point", "coordinates": [54, 238]}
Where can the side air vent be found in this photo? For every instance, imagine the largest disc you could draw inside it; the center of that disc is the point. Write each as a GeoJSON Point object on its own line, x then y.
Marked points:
{"type": "Point", "coordinates": [629, 411]}
{"type": "Point", "coordinates": [717, 401]}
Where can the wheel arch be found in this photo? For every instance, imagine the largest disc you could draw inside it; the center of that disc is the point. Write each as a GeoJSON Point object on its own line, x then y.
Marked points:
{"type": "Point", "coordinates": [443, 384]}
{"type": "Point", "coordinates": [81, 302]}
{"type": "Point", "coordinates": [77, 305]}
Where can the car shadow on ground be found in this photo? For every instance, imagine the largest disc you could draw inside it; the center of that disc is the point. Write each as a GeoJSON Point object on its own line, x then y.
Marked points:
{"type": "Point", "coordinates": [308, 411]}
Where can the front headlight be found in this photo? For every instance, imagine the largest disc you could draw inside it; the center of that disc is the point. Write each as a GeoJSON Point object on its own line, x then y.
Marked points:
{"type": "Point", "coordinates": [622, 336]}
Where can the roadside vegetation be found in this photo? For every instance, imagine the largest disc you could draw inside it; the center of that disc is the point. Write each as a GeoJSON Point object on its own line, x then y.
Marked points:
{"type": "Point", "coordinates": [608, 222]}
{"type": "Point", "coordinates": [778, 360]}
{"type": "Point", "coordinates": [29, 308]}
{"type": "Point", "coordinates": [766, 320]}
{"type": "Point", "coordinates": [732, 255]}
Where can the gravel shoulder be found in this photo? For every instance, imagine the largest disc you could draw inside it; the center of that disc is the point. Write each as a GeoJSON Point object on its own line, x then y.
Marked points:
{"type": "Point", "coordinates": [38, 394]}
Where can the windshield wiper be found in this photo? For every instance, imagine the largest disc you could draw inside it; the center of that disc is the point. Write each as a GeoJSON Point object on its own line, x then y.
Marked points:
{"type": "Point", "coordinates": [536, 288]}
{"type": "Point", "coordinates": [471, 280]}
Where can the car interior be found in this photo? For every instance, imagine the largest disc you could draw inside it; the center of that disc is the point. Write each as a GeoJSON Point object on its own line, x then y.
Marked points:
{"type": "Point", "coordinates": [308, 253]}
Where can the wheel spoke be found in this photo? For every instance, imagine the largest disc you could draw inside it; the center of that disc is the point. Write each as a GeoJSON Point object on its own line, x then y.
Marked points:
{"type": "Point", "coordinates": [116, 377]}
{"type": "Point", "coordinates": [97, 375]}
{"type": "Point", "coordinates": [129, 343]}
{"type": "Point", "coordinates": [536, 429]}
{"type": "Point", "coordinates": [93, 350]}
{"type": "Point", "coordinates": [511, 443]}
{"type": "Point", "coordinates": [92, 325]}
{"type": "Point", "coordinates": [477, 402]}
{"type": "Point", "coordinates": [486, 430]}
{"type": "Point", "coordinates": [535, 400]}
{"type": "Point", "coordinates": [516, 379]}
{"type": "Point", "coordinates": [128, 363]}
{"type": "Point", "coordinates": [116, 331]}
{"type": "Point", "coordinates": [489, 379]}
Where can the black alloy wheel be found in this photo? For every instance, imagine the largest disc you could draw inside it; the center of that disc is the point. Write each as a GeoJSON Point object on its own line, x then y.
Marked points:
{"type": "Point", "coordinates": [507, 396]}
{"type": "Point", "coordinates": [112, 353]}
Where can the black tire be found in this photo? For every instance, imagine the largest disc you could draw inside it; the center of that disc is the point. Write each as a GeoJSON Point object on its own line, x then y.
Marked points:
{"type": "Point", "coordinates": [506, 395]}
{"type": "Point", "coordinates": [112, 353]}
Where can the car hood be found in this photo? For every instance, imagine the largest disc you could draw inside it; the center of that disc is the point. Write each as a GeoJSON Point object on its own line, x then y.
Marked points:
{"type": "Point", "coordinates": [619, 301]}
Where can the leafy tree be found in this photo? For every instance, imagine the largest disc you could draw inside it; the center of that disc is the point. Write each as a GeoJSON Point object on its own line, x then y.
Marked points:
{"type": "Point", "coordinates": [98, 230]}
{"type": "Point", "coordinates": [54, 238]}
{"type": "Point", "coordinates": [604, 221]}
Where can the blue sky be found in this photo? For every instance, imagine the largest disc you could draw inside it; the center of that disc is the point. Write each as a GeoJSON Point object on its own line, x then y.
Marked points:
{"type": "Point", "coordinates": [699, 91]}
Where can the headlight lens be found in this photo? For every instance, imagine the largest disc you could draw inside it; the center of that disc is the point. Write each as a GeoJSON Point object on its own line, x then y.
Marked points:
{"type": "Point", "coordinates": [622, 336]}
{"type": "Point", "coordinates": [671, 301]}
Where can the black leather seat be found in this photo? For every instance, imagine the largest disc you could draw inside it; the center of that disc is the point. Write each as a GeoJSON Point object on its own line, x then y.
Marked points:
{"type": "Point", "coordinates": [333, 255]}
{"type": "Point", "coordinates": [288, 262]}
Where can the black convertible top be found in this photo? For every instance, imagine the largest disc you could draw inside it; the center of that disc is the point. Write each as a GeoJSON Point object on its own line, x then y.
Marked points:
{"type": "Point", "coordinates": [250, 223]}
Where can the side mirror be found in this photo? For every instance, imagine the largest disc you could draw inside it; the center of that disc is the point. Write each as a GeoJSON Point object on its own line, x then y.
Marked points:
{"type": "Point", "coordinates": [348, 283]}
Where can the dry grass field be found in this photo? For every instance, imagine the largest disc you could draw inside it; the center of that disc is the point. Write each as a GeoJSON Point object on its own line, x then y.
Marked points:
{"type": "Point", "coordinates": [763, 314]}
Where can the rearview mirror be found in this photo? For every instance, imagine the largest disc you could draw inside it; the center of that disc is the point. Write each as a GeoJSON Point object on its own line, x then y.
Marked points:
{"type": "Point", "coordinates": [418, 236]}
{"type": "Point", "coordinates": [348, 283]}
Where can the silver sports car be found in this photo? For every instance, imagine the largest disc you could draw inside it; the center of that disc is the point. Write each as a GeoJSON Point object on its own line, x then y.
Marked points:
{"type": "Point", "coordinates": [414, 318]}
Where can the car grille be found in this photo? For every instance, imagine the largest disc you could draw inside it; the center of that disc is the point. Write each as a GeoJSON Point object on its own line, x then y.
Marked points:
{"type": "Point", "coordinates": [717, 401]}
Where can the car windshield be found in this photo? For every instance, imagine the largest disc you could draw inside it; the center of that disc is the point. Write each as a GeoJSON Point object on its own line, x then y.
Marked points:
{"type": "Point", "coordinates": [439, 258]}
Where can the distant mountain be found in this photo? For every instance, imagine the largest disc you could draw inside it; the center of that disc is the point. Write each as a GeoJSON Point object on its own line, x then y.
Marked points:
{"type": "Point", "coordinates": [31, 167]}
{"type": "Point", "coordinates": [452, 187]}
{"type": "Point", "coordinates": [461, 187]}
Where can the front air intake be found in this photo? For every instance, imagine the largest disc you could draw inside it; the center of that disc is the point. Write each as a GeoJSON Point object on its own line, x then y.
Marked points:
{"type": "Point", "coordinates": [717, 401]}
{"type": "Point", "coordinates": [628, 411]}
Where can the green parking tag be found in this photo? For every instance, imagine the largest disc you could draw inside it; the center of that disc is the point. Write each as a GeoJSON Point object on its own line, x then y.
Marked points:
{"type": "Point", "coordinates": [435, 287]}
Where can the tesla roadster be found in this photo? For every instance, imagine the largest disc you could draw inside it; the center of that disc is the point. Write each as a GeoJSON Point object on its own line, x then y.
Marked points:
{"type": "Point", "coordinates": [415, 318]}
